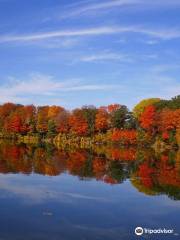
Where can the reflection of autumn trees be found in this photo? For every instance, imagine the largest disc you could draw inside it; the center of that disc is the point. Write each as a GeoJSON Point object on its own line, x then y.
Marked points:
{"type": "Point", "coordinates": [159, 176]}
{"type": "Point", "coordinates": [14, 159]}
{"type": "Point", "coordinates": [148, 173]}
{"type": "Point", "coordinates": [22, 159]}
{"type": "Point", "coordinates": [76, 163]}
{"type": "Point", "coordinates": [99, 167]}
{"type": "Point", "coordinates": [49, 162]}
{"type": "Point", "coordinates": [116, 153]}
{"type": "Point", "coordinates": [109, 171]}
{"type": "Point", "coordinates": [103, 165]}
{"type": "Point", "coordinates": [145, 173]}
{"type": "Point", "coordinates": [126, 137]}
{"type": "Point", "coordinates": [123, 154]}
{"type": "Point", "coordinates": [169, 170]}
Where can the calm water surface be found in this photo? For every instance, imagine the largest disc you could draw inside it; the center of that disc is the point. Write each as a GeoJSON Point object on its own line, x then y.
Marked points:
{"type": "Point", "coordinates": [47, 193]}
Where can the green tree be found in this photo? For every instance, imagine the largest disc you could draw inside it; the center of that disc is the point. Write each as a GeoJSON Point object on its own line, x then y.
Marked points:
{"type": "Point", "coordinates": [89, 113]}
{"type": "Point", "coordinates": [119, 117]}
{"type": "Point", "coordinates": [174, 103]}
{"type": "Point", "coordinates": [51, 128]}
{"type": "Point", "coordinates": [131, 122]}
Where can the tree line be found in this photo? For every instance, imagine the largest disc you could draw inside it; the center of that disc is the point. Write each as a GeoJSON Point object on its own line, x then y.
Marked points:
{"type": "Point", "coordinates": [150, 119]}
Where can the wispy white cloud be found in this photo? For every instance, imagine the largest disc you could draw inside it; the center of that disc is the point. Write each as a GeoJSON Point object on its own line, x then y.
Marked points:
{"type": "Point", "coordinates": [87, 8]}
{"type": "Point", "coordinates": [60, 43]}
{"type": "Point", "coordinates": [162, 33]}
{"type": "Point", "coordinates": [43, 86]}
{"type": "Point", "coordinates": [41, 194]}
{"type": "Point", "coordinates": [104, 56]}
{"type": "Point", "coordinates": [61, 33]}
{"type": "Point", "coordinates": [97, 31]}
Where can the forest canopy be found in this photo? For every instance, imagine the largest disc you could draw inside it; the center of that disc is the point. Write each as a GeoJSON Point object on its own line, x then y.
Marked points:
{"type": "Point", "coordinates": [151, 118]}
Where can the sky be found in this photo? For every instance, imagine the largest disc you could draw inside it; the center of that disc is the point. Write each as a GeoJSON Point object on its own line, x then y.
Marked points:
{"type": "Point", "coordinates": [89, 52]}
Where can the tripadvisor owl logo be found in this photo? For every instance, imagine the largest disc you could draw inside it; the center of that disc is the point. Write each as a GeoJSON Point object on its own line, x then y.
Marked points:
{"type": "Point", "coordinates": [139, 231]}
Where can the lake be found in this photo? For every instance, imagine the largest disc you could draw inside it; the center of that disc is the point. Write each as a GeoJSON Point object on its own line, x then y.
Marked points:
{"type": "Point", "coordinates": [103, 193]}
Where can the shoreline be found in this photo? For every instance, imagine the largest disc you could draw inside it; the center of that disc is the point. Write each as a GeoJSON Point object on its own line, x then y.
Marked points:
{"type": "Point", "coordinates": [66, 141]}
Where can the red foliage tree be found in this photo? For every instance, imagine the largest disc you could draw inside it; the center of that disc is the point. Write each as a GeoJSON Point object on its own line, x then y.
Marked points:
{"type": "Point", "coordinates": [113, 107]}
{"type": "Point", "coordinates": [15, 124]}
{"type": "Point", "coordinates": [148, 117]}
{"type": "Point", "coordinates": [169, 119]}
{"type": "Point", "coordinates": [78, 123]}
{"type": "Point", "coordinates": [62, 122]}
{"type": "Point", "coordinates": [102, 119]}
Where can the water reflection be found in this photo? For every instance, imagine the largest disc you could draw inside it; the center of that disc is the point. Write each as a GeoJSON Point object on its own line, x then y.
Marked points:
{"type": "Point", "coordinates": [148, 172]}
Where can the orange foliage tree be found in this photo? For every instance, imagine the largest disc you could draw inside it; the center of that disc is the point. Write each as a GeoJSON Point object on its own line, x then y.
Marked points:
{"type": "Point", "coordinates": [102, 119]}
{"type": "Point", "coordinates": [78, 123]}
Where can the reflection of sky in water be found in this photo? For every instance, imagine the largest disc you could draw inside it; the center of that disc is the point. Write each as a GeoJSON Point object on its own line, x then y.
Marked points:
{"type": "Point", "coordinates": [63, 207]}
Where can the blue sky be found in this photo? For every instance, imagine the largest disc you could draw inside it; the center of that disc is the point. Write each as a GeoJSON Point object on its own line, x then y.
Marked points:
{"type": "Point", "coordinates": [73, 53]}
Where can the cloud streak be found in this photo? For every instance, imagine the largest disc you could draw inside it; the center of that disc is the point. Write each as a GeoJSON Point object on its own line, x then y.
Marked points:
{"type": "Point", "coordinates": [98, 6]}
{"type": "Point", "coordinates": [104, 56]}
{"type": "Point", "coordinates": [46, 86]}
{"type": "Point", "coordinates": [41, 194]}
{"type": "Point", "coordinates": [97, 31]}
{"type": "Point", "coordinates": [89, 7]}
{"type": "Point", "coordinates": [60, 33]}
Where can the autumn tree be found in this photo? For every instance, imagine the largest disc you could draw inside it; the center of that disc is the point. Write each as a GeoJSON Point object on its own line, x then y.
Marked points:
{"type": "Point", "coordinates": [62, 122]}
{"type": "Point", "coordinates": [169, 119]}
{"type": "Point", "coordinates": [5, 111]}
{"type": "Point", "coordinates": [42, 120]}
{"type": "Point", "coordinates": [30, 118]}
{"type": "Point", "coordinates": [119, 117]}
{"type": "Point", "coordinates": [147, 119]}
{"type": "Point", "coordinates": [53, 114]}
{"type": "Point", "coordinates": [54, 111]}
{"type": "Point", "coordinates": [15, 124]}
{"type": "Point", "coordinates": [113, 107]}
{"type": "Point", "coordinates": [172, 104]}
{"type": "Point", "coordinates": [102, 119]}
{"type": "Point", "coordinates": [78, 123]}
{"type": "Point", "coordinates": [140, 107]}
{"type": "Point", "coordinates": [51, 128]}
{"type": "Point", "coordinates": [89, 113]}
